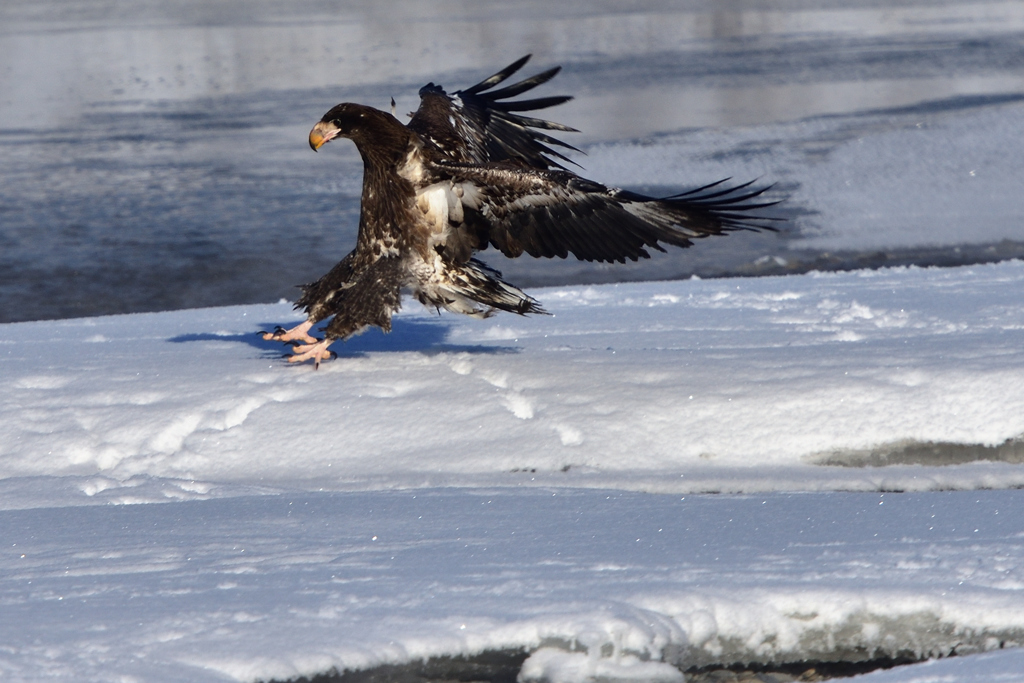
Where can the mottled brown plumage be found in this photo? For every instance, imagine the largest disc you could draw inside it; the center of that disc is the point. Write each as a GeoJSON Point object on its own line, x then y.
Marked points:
{"type": "Point", "coordinates": [469, 172]}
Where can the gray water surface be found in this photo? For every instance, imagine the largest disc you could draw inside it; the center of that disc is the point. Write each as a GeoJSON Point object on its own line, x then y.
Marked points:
{"type": "Point", "coordinates": [153, 155]}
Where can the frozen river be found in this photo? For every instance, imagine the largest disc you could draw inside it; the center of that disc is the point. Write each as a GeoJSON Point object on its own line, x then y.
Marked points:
{"type": "Point", "coordinates": [153, 155]}
{"type": "Point", "coordinates": [179, 504]}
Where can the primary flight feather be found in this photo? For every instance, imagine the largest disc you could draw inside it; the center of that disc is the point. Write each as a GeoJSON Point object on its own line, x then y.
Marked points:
{"type": "Point", "coordinates": [468, 172]}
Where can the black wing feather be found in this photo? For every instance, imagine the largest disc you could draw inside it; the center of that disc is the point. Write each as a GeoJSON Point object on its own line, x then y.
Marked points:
{"type": "Point", "coordinates": [538, 103]}
{"type": "Point", "coordinates": [499, 77]}
{"type": "Point", "coordinates": [477, 124]}
{"type": "Point", "coordinates": [554, 213]}
{"type": "Point", "coordinates": [522, 86]}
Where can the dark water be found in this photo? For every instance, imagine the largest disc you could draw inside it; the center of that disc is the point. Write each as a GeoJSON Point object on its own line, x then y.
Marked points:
{"type": "Point", "coordinates": [154, 157]}
{"type": "Point", "coordinates": [502, 666]}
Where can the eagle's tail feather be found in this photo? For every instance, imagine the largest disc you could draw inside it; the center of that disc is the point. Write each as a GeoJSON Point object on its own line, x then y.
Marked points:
{"type": "Point", "coordinates": [476, 289]}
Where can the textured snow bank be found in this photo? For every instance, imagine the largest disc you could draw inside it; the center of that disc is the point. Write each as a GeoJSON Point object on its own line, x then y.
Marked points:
{"type": "Point", "coordinates": [557, 666]}
{"type": "Point", "coordinates": [726, 385]}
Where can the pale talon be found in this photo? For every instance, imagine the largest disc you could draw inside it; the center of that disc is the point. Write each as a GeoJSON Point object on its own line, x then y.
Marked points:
{"type": "Point", "coordinates": [297, 333]}
{"type": "Point", "coordinates": [315, 352]}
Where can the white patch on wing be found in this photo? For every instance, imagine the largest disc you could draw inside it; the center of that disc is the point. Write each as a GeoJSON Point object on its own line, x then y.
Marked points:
{"type": "Point", "coordinates": [497, 192]}
{"type": "Point", "coordinates": [412, 168]}
{"type": "Point", "coordinates": [507, 203]}
{"type": "Point", "coordinates": [441, 205]}
{"type": "Point", "coordinates": [470, 194]}
{"type": "Point", "coordinates": [434, 202]}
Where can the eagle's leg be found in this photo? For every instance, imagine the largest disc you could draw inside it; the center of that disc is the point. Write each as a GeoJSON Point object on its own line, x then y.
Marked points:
{"type": "Point", "coordinates": [298, 333]}
{"type": "Point", "coordinates": [317, 300]}
{"type": "Point", "coordinates": [314, 352]}
{"type": "Point", "coordinates": [367, 299]}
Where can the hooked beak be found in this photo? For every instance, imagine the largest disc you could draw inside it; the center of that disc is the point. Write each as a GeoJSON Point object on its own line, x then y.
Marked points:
{"type": "Point", "coordinates": [322, 133]}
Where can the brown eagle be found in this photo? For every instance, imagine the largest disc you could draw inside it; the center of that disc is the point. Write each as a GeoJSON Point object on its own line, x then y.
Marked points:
{"type": "Point", "coordinates": [468, 172]}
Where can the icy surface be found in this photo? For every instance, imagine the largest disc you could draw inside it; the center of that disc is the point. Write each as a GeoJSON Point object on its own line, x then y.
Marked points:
{"type": "Point", "coordinates": [464, 485]}
{"type": "Point", "coordinates": [154, 154]}
{"type": "Point", "coordinates": [922, 176]}
{"type": "Point", "coordinates": [179, 504]}
{"type": "Point", "coordinates": [1003, 667]}
{"type": "Point", "coordinates": [250, 588]}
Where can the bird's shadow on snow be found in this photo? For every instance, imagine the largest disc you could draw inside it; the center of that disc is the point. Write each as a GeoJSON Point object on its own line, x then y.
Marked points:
{"type": "Point", "coordinates": [427, 337]}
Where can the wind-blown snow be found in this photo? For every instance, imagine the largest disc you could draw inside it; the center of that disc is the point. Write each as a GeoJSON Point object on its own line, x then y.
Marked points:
{"type": "Point", "coordinates": [459, 485]}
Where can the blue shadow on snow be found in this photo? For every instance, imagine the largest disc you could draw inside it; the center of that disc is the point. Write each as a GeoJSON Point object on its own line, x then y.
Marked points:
{"type": "Point", "coordinates": [406, 335]}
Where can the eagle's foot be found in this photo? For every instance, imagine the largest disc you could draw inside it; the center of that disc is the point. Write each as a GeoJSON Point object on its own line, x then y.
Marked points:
{"type": "Point", "coordinates": [315, 352]}
{"type": "Point", "coordinates": [297, 333]}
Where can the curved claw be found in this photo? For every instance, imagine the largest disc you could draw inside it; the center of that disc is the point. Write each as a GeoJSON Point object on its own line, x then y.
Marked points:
{"type": "Point", "coordinates": [315, 352]}
{"type": "Point", "coordinates": [295, 343]}
{"type": "Point", "coordinates": [298, 333]}
{"type": "Point", "coordinates": [272, 335]}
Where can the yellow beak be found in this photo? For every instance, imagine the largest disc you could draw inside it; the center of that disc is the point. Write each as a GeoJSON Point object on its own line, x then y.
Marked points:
{"type": "Point", "coordinates": [322, 133]}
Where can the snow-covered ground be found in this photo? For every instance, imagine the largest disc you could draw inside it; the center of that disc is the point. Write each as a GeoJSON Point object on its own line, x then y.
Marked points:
{"type": "Point", "coordinates": [687, 386]}
{"type": "Point", "coordinates": [658, 476]}
{"type": "Point", "coordinates": [462, 485]}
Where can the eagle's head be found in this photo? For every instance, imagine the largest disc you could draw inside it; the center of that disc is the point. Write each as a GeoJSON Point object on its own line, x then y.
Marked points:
{"type": "Point", "coordinates": [354, 121]}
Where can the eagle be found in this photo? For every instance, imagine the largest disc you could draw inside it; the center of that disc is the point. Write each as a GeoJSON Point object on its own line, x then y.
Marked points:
{"type": "Point", "coordinates": [470, 171]}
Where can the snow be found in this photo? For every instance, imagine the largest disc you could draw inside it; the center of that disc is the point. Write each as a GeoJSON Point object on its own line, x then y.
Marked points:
{"type": "Point", "coordinates": [993, 668]}
{"type": "Point", "coordinates": [1005, 667]}
{"type": "Point", "coordinates": [700, 385]}
{"type": "Point", "coordinates": [463, 485]}
{"type": "Point", "coordinates": [658, 476]}
{"type": "Point", "coordinates": [558, 666]}
{"type": "Point", "coordinates": [251, 587]}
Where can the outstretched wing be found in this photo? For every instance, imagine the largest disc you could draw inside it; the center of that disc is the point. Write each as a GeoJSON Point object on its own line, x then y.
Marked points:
{"type": "Point", "coordinates": [479, 125]}
{"type": "Point", "coordinates": [555, 213]}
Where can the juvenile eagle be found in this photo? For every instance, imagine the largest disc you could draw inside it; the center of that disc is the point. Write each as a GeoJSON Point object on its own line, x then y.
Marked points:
{"type": "Point", "coordinates": [469, 172]}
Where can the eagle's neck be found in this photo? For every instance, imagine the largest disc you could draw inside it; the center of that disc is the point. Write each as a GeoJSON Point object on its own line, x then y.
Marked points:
{"type": "Point", "coordinates": [388, 198]}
